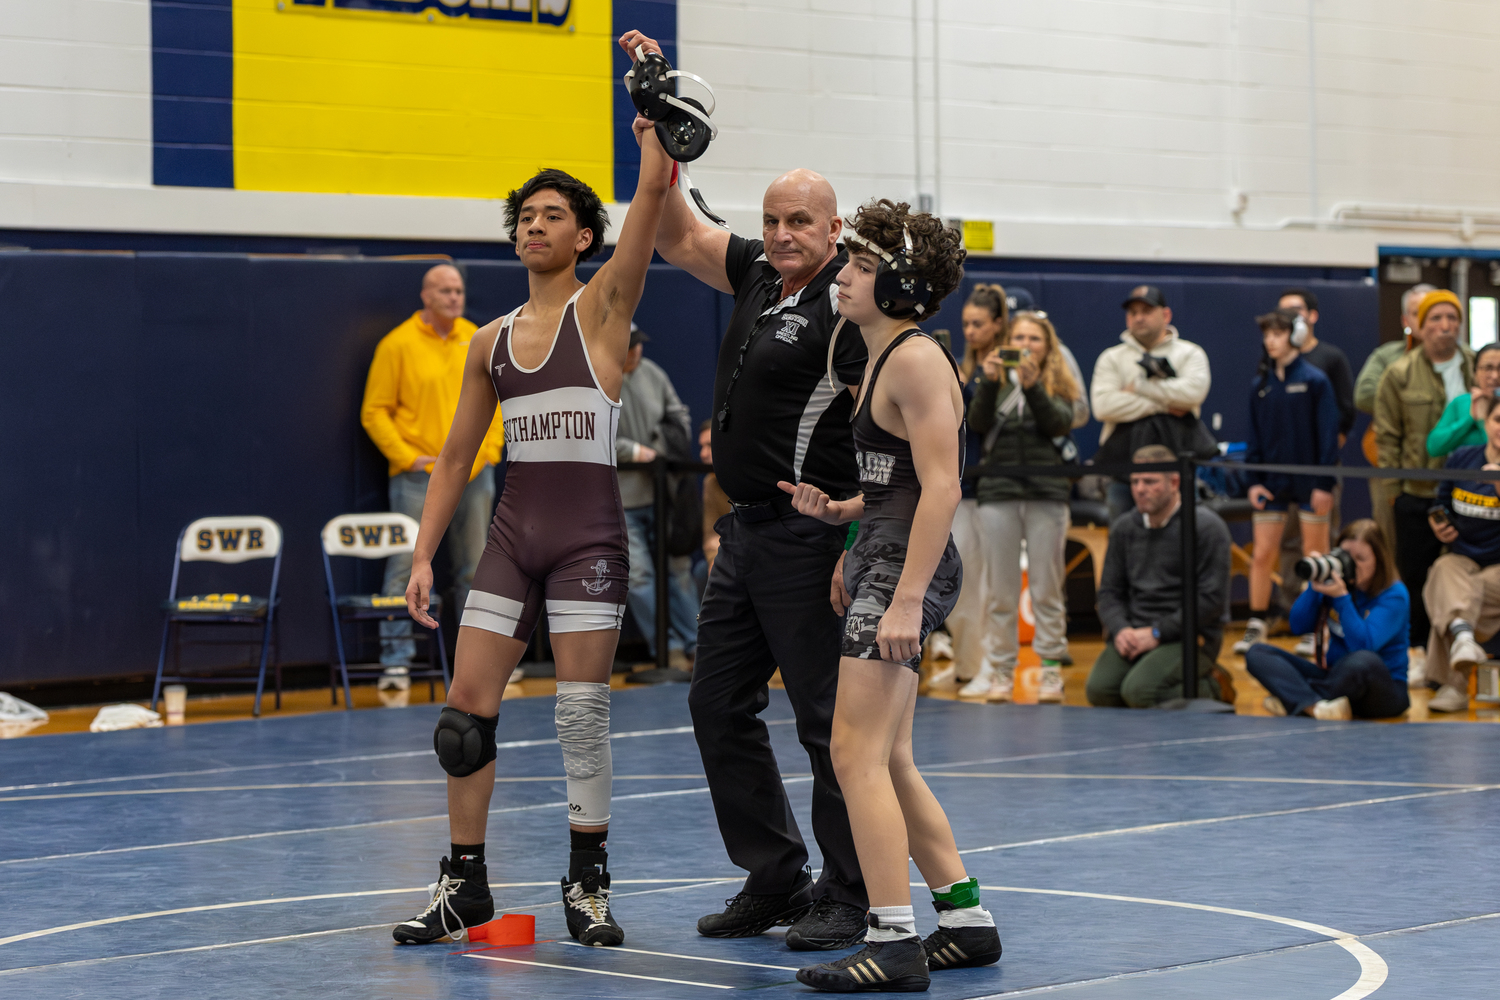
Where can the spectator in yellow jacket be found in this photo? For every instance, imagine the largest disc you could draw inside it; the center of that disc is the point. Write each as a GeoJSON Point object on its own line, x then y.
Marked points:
{"type": "Point", "coordinates": [410, 398]}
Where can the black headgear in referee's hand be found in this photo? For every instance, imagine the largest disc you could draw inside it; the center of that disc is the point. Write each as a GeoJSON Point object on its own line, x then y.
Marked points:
{"type": "Point", "coordinates": [682, 124]}
{"type": "Point", "coordinates": [900, 292]}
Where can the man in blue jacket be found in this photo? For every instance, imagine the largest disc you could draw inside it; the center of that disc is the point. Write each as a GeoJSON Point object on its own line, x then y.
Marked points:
{"type": "Point", "coordinates": [1294, 420]}
{"type": "Point", "coordinates": [1462, 593]}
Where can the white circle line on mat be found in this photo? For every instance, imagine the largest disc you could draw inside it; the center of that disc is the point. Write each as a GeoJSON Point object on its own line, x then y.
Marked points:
{"type": "Point", "coordinates": [1372, 968]}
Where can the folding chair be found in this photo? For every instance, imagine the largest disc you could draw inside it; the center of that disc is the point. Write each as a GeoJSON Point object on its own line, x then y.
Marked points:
{"type": "Point", "coordinates": [375, 536]}
{"type": "Point", "coordinates": [222, 540]}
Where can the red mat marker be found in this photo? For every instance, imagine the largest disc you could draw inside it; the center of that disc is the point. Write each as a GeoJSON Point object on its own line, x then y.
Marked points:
{"type": "Point", "coordinates": [510, 929]}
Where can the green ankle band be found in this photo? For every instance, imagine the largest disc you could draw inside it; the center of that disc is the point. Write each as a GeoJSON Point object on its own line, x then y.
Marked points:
{"type": "Point", "coordinates": [961, 895]}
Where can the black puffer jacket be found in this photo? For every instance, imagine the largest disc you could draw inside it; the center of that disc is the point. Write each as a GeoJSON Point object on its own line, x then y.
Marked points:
{"type": "Point", "coordinates": [1023, 437]}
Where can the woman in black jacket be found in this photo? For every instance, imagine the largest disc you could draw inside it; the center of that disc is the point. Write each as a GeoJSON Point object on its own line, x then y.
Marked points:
{"type": "Point", "coordinates": [1023, 409]}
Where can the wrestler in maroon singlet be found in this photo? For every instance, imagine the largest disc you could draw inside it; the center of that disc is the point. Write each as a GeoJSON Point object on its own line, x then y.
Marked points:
{"type": "Point", "coordinates": [558, 537]}
{"type": "Point", "coordinates": [559, 530]}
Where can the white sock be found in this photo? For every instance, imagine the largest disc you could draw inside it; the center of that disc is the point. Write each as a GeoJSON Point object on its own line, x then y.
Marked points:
{"type": "Point", "coordinates": [1458, 626]}
{"type": "Point", "coordinates": [968, 916]}
{"type": "Point", "coordinates": [896, 922]}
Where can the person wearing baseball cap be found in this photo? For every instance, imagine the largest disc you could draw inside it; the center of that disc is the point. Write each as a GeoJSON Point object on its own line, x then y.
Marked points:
{"type": "Point", "coordinates": [1412, 396]}
{"type": "Point", "coordinates": [1151, 371]}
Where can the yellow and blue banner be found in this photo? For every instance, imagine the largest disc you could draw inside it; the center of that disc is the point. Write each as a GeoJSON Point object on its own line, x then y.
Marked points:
{"type": "Point", "coordinates": [443, 98]}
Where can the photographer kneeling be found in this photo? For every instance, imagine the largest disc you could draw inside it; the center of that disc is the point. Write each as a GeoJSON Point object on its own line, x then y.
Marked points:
{"type": "Point", "coordinates": [1367, 627]}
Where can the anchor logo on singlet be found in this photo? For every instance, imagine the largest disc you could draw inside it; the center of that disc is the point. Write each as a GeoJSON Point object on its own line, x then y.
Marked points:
{"type": "Point", "coordinates": [499, 370]}
{"type": "Point", "coordinates": [601, 581]}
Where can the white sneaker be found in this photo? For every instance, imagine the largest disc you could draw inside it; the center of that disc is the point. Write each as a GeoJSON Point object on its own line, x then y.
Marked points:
{"type": "Point", "coordinates": [1052, 685]}
{"type": "Point", "coordinates": [979, 687]}
{"type": "Point", "coordinates": [1416, 668]}
{"type": "Point", "coordinates": [1273, 705]}
{"type": "Point", "coordinates": [1002, 688]}
{"type": "Point", "coordinates": [1465, 651]}
{"type": "Point", "coordinates": [1449, 699]}
{"type": "Point", "coordinates": [945, 676]}
{"type": "Point", "coordinates": [515, 676]}
{"type": "Point", "coordinates": [940, 646]}
{"type": "Point", "coordinates": [1306, 646]}
{"type": "Point", "coordinates": [1255, 631]}
{"type": "Point", "coordinates": [1337, 710]}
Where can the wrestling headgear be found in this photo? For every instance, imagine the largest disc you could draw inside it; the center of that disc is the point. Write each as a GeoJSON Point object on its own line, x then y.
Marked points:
{"type": "Point", "coordinates": [682, 124]}
{"type": "Point", "coordinates": [899, 290]}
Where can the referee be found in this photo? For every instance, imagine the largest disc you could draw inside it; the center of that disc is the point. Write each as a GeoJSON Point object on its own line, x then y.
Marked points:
{"type": "Point", "coordinates": [776, 417]}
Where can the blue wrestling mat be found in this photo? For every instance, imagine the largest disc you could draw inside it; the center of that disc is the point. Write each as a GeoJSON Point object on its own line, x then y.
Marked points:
{"type": "Point", "coordinates": [1124, 854]}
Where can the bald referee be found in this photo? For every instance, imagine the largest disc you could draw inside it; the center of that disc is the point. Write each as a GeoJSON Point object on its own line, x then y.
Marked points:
{"type": "Point", "coordinates": [767, 603]}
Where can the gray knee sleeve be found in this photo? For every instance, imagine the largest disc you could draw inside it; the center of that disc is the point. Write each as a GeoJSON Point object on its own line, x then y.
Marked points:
{"type": "Point", "coordinates": [464, 742]}
{"type": "Point", "coordinates": [583, 731]}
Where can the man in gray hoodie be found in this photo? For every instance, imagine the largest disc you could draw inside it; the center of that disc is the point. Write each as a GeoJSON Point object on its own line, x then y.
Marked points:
{"type": "Point", "coordinates": [1140, 596]}
{"type": "Point", "coordinates": [647, 398]}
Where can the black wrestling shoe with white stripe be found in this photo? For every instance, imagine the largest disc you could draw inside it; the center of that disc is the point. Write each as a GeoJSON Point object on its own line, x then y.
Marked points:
{"type": "Point", "coordinates": [461, 899]}
{"type": "Point", "coordinates": [879, 967]}
{"type": "Point", "coordinates": [961, 947]}
{"type": "Point", "coordinates": [586, 902]}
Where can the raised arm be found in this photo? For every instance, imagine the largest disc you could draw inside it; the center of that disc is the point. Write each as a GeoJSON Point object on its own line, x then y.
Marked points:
{"type": "Point", "coordinates": [450, 474]}
{"type": "Point", "coordinates": [683, 239]}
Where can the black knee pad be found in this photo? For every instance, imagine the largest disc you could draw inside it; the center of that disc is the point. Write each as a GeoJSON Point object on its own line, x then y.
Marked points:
{"type": "Point", "coordinates": [464, 742]}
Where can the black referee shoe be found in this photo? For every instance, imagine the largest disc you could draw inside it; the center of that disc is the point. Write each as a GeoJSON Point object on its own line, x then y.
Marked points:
{"type": "Point", "coordinates": [879, 967]}
{"type": "Point", "coordinates": [961, 947]}
{"type": "Point", "coordinates": [460, 900]}
{"type": "Point", "coordinates": [747, 914]}
{"type": "Point", "coordinates": [828, 926]}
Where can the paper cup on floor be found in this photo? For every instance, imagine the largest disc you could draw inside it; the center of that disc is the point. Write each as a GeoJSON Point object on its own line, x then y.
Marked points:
{"type": "Point", "coordinates": [175, 696]}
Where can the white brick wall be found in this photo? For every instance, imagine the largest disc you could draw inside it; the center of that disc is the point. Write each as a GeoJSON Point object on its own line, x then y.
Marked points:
{"type": "Point", "coordinates": [1082, 127]}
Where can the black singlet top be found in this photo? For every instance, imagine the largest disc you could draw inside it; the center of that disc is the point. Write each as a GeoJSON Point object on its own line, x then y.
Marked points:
{"type": "Point", "coordinates": [887, 473]}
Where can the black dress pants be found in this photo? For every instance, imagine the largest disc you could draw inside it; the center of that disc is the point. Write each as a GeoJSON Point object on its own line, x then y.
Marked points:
{"type": "Point", "coordinates": [766, 606]}
{"type": "Point", "coordinates": [1417, 548]}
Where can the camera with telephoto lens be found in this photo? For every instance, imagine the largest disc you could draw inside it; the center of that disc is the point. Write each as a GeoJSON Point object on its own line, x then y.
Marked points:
{"type": "Point", "coordinates": [1157, 367]}
{"type": "Point", "coordinates": [1321, 569]}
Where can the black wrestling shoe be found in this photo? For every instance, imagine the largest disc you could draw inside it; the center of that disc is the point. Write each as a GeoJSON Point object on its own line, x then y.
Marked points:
{"type": "Point", "coordinates": [880, 967]}
{"type": "Point", "coordinates": [461, 899]}
{"type": "Point", "coordinates": [747, 914]}
{"type": "Point", "coordinates": [828, 926]}
{"type": "Point", "coordinates": [961, 947]}
{"type": "Point", "coordinates": [585, 895]}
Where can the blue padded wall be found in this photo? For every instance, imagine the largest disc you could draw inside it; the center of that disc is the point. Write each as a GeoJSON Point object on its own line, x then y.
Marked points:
{"type": "Point", "coordinates": [144, 390]}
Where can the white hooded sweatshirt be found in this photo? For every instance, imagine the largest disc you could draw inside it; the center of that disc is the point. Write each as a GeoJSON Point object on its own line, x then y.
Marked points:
{"type": "Point", "coordinates": [1121, 392]}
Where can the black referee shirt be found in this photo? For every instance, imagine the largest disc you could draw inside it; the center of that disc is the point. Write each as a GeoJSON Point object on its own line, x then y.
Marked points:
{"type": "Point", "coordinates": [785, 421]}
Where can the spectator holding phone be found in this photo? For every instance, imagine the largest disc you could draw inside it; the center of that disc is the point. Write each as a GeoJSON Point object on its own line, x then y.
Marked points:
{"type": "Point", "coordinates": [1367, 609]}
{"type": "Point", "coordinates": [1023, 407]}
{"type": "Point", "coordinates": [1462, 594]}
{"type": "Point", "coordinates": [1294, 420]}
{"type": "Point", "coordinates": [985, 317]}
{"type": "Point", "coordinates": [1462, 422]}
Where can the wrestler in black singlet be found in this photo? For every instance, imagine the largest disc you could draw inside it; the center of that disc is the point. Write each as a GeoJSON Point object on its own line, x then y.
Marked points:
{"type": "Point", "coordinates": [891, 491]}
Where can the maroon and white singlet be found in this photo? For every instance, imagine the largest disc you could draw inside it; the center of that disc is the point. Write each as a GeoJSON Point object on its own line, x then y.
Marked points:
{"type": "Point", "coordinates": [559, 529]}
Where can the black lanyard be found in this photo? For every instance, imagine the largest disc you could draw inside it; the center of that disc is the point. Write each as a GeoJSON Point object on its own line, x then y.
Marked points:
{"type": "Point", "coordinates": [721, 421]}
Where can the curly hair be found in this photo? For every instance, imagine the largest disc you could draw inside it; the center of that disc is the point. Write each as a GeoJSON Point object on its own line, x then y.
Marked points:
{"type": "Point", "coordinates": [586, 206]}
{"type": "Point", "coordinates": [937, 251]}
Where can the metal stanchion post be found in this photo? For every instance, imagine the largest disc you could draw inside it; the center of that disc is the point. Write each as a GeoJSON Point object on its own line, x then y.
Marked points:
{"type": "Point", "coordinates": [1188, 524]}
{"type": "Point", "coordinates": [659, 514]}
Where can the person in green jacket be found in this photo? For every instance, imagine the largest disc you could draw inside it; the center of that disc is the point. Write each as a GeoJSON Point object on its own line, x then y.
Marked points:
{"type": "Point", "coordinates": [1023, 410]}
{"type": "Point", "coordinates": [1463, 418]}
